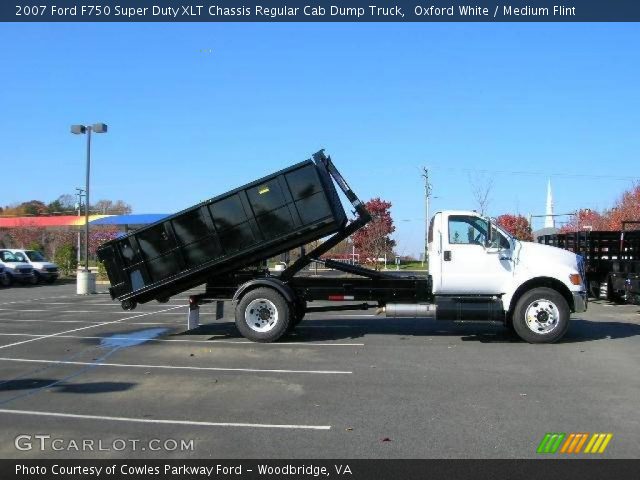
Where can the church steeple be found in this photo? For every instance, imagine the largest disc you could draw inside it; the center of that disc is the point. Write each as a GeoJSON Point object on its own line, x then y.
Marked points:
{"type": "Point", "coordinates": [549, 219]}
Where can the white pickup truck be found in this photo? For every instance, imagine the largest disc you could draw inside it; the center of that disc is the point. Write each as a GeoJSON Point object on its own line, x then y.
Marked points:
{"type": "Point", "coordinates": [14, 269]}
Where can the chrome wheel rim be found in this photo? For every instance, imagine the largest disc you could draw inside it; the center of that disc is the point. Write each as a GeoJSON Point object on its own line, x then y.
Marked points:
{"type": "Point", "coordinates": [542, 316]}
{"type": "Point", "coordinates": [261, 315]}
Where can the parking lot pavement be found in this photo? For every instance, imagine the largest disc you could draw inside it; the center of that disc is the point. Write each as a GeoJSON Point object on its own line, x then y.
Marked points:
{"type": "Point", "coordinates": [343, 385]}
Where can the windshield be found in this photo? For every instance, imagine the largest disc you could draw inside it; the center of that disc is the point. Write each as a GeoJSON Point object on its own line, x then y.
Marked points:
{"type": "Point", "coordinates": [20, 257]}
{"type": "Point", "coordinates": [8, 257]}
{"type": "Point", "coordinates": [35, 256]}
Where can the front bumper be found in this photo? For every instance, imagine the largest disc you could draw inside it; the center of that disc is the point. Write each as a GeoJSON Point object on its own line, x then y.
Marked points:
{"type": "Point", "coordinates": [579, 302]}
{"type": "Point", "coordinates": [45, 274]}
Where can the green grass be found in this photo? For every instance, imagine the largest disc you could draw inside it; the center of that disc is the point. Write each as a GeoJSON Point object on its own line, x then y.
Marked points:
{"type": "Point", "coordinates": [407, 266]}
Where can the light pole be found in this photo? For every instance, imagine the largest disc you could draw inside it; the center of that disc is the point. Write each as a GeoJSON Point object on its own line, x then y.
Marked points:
{"type": "Point", "coordinates": [427, 194]}
{"type": "Point", "coordinates": [79, 194]}
{"type": "Point", "coordinates": [79, 130]}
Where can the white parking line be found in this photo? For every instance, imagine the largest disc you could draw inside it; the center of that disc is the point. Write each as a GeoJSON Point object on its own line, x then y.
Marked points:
{"type": "Point", "coordinates": [171, 367]}
{"type": "Point", "coordinates": [162, 421]}
{"type": "Point", "coordinates": [85, 328]}
{"type": "Point", "coordinates": [210, 342]}
{"type": "Point", "coordinates": [34, 299]}
{"type": "Point", "coordinates": [18, 320]}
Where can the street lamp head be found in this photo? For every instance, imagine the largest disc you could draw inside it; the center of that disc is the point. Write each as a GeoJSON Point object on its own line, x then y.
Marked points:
{"type": "Point", "coordinates": [99, 128]}
{"type": "Point", "coordinates": [78, 129]}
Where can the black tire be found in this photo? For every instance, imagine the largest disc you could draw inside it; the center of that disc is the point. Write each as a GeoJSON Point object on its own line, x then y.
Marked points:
{"type": "Point", "coordinates": [544, 301]}
{"type": "Point", "coordinates": [263, 315]}
{"type": "Point", "coordinates": [7, 280]}
{"type": "Point", "coordinates": [129, 304]}
{"type": "Point", "coordinates": [35, 279]}
{"type": "Point", "coordinates": [162, 300]}
{"type": "Point", "coordinates": [298, 315]}
{"type": "Point", "coordinates": [50, 280]}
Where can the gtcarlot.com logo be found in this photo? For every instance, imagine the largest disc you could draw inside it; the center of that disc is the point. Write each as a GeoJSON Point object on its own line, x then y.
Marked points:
{"type": "Point", "coordinates": [574, 442]}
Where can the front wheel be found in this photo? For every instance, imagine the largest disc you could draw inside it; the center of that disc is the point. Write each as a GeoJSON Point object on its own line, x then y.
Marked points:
{"type": "Point", "coordinates": [263, 315]}
{"type": "Point", "coordinates": [7, 280]}
{"type": "Point", "coordinates": [541, 316]}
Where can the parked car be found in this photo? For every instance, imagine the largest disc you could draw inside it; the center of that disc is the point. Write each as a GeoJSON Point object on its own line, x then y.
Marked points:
{"type": "Point", "coordinates": [14, 269]}
{"type": "Point", "coordinates": [43, 270]}
{"type": "Point", "coordinates": [2, 280]}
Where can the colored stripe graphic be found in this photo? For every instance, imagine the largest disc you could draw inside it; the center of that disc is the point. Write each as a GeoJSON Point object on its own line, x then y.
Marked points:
{"type": "Point", "coordinates": [598, 443]}
{"type": "Point", "coordinates": [551, 442]}
{"type": "Point", "coordinates": [573, 443]}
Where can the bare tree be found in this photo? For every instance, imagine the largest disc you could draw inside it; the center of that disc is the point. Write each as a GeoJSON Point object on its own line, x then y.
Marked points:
{"type": "Point", "coordinates": [481, 186]}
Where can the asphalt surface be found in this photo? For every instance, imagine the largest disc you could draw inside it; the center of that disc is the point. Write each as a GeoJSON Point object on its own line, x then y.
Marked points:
{"type": "Point", "coordinates": [344, 385]}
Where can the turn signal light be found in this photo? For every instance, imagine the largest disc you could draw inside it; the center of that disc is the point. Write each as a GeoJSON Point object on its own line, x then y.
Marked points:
{"type": "Point", "coordinates": [575, 279]}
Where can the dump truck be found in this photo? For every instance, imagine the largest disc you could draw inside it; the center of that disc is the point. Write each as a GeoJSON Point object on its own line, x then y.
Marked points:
{"type": "Point", "coordinates": [612, 260]}
{"type": "Point", "coordinates": [477, 271]}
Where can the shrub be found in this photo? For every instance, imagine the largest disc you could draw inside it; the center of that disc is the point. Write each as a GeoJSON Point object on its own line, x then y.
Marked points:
{"type": "Point", "coordinates": [66, 259]}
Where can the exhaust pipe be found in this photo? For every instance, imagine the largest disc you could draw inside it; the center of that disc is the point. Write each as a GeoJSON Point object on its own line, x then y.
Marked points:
{"type": "Point", "coordinates": [408, 310]}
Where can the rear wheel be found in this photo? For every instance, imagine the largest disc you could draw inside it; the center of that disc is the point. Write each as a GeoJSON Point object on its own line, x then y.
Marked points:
{"type": "Point", "coordinates": [129, 304]}
{"type": "Point", "coordinates": [263, 315]}
{"type": "Point", "coordinates": [541, 316]}
{"type": "Point", "coordinates": [298, 314]}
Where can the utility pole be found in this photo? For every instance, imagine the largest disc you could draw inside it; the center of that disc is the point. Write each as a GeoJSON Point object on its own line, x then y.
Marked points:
{"type": "Point", "coordinates": [79, 193]}
{"type": "Point", "coordinates": [427, 195]}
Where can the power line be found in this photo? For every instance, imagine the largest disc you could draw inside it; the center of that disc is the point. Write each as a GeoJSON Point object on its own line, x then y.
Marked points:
{"type": "Point", "coordinates": [534, 173]}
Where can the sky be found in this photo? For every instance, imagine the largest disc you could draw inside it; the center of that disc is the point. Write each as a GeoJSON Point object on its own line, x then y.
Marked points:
{"type": "Point", "coordinates": [197, 109]}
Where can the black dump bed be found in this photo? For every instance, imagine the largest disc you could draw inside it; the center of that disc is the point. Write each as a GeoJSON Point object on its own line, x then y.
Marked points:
{"type": "Point", "coordinates": [237, 229]}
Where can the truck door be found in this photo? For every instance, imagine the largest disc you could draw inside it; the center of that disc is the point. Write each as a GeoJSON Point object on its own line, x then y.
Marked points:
{"type": "Point", "coordinates": [467, 265]}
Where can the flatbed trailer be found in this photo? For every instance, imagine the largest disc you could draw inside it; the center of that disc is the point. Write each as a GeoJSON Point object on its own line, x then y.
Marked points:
{"type": "Point", "coordinates": [612, 260]}
{"type": "Point", "coordinates": [267, 306]}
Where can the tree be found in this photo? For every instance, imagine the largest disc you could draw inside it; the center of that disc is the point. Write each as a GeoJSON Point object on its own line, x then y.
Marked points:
{"type": "Point", "coordinates": [481, 186]}
{"type": "Point", "coordinates": [626, 208]}
{"type": "Point", "coordinates": [106, 207]}
{"type": "Point", "coordinates": [32, 207]}
{"type": "Point", "coordinates": [373, 240]}
{"type": "Point", "coordinates": [516, 225]}
{"type": "Point", "coordinates": [63, 204]}
{"type": "Point", "coordinates": [587, 218]}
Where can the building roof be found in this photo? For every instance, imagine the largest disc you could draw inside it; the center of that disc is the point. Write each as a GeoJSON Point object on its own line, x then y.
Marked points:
{"type": "Point", "coordinates": [74, 220]}
{"type": "Point", "coordinates": [139, 219]}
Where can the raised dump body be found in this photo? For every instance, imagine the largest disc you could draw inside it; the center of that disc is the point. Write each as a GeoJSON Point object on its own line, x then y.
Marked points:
{"type": "Point", "coordinates": [237, 229]}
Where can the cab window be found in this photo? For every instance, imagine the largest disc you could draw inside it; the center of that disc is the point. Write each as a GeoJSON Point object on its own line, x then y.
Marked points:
{"type": "Point", "coordinates": [467, 230]}
{"type": "Point", "coordinates": [470, 230]}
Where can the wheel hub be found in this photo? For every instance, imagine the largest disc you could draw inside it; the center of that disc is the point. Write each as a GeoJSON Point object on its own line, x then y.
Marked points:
{"type": "Point", "coordinates": [261, 315]}
{"type": "Point", "coordinates": [542, 316]}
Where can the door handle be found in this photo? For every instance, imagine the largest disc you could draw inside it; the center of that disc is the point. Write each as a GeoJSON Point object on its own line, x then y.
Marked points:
{"type": "Point", "coordinates": [447, 255]}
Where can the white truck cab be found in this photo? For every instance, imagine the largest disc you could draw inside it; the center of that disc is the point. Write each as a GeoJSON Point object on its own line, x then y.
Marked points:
{"type": "Point", "coordinates": [14, 269]}
{"type": "Point", "coordinates": [43, 270]}
{"type": "Point", "coordinates": [536, 286]}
